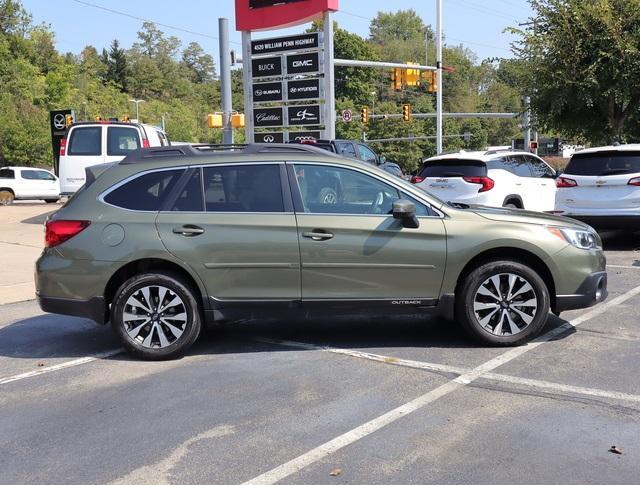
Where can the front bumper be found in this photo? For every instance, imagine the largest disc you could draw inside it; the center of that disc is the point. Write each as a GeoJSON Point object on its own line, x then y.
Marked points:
{"type": "Point", "coordinates": [593, 290]}
{"type": "Point", "coordinates": [93, 308]}
{"type": "Point", "coordinates": [611, 222]}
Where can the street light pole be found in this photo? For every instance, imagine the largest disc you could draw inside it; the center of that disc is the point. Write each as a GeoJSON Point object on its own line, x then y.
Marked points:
{"type": "Point", "coordinates": [137, 103]}
{"type": "Point", "coordinates": [439, 73]}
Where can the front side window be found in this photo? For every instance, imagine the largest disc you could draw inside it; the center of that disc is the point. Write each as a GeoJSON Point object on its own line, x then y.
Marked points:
{"type": "Point", "coordinates": [540, 169]}
{"type": "Point", "coordinates": [367, 154]}
{"type": "Point", "coordinates": [37, 175]}
{"type": "Point", "coordinates": [333, 190]}
{"type": "Point", "coordinates": [122, 140]}
{"type": "Point", "coordinates": [517, 165]}
{"type": "Point", "coordinates": [86, 140]}
{"type": "Point", "coordinates": [243, 188]}
{"type": "Point", "coordinates": [346, 149]}
{"type": "Point", "coordinates": [146, 192]}
{"type": "Point", "coordinates": [7, 173]}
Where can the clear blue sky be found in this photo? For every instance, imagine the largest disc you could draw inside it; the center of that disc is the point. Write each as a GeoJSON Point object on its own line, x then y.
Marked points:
{"type": "Point", "coordinates": [477, 24]}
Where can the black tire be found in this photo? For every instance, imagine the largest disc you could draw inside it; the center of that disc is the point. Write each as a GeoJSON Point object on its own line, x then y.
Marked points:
{"type": "Point", "coordinates": [6, 197]}
{"type": "Point", "coordinates": [51, 201]}
{"type": "Point", "coordinates": [511, 205]}
{"type": "Point", "coordinates": [470, 318]}
{"type": "Point", "coordinates": [154, 349]}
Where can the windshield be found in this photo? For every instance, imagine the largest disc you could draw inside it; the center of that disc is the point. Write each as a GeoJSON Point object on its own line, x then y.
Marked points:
{"type": "Point", "coordinates": [454, 168]}
{"type": "Point", "coordinates": [604, 163]}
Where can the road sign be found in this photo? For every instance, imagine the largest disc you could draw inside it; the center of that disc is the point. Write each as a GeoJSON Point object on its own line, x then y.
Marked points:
{"type": "Point", "coordinates": [304, 135]}
{"type": "Point", "coordinates": [303, 89]}
{"type": "Point", "coordinates": [267, 66]}
{"type": "Point", "coordinates": [270, 137]}
{"type": "Point", "coordinates": [264, 117]}
{"type": "Point", "coordinates": [267, 92]}
{"type": "Point", "coordinates": [347, 115]}
{"type": "Point", "coordinates": [303, 63]}
{"type": "Point", "coordinates": [285, 44]}
{"type": "Point", "coordinates": [304, 115]}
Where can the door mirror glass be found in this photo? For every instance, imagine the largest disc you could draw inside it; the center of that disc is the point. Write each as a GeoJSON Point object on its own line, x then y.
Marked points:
{"type": "Point", "coordinates": [406, 211]}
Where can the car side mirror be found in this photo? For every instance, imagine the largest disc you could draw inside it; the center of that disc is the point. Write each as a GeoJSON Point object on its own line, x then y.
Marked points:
{"type": "Point", "coordinates": [558, 173]}
{"type": "Point", "coordinates": [405, 211]}
{"type": "Point", "coordinates": [383, 159]}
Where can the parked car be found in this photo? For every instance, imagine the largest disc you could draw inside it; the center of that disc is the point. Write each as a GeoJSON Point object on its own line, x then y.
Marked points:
{"type": "Point", "coordinates": [172, 238]}
{"type": "Point", "coordinates": [93, 143]}
{"type": "Point", "coordinates": [26, 183]}
{"type": "Point", "coordinates": [496, 178]}
{"type": "Point", "coordinates": [359, 151]}
{"type": "Point", "coordinates": [601, 186]}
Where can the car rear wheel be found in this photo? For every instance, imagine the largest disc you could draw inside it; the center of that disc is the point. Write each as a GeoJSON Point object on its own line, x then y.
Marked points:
{"type": "Point", "coordinates": [503, 303]}
{"type": "Point", "coordinates": [156, 316]}
{"type": "Point", "coordinates": [6, 197]}
{"type": "Point", "coordinates": [51, 201]}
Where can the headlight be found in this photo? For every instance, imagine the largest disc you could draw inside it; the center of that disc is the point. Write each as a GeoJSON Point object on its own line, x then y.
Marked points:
{"type": "Point", "coordinates": [577, 237]}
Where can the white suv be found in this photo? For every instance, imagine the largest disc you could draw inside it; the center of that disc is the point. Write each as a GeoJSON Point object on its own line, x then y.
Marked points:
{"type": "Point", "coordinates": [26, 183]}
{"type": "Point", "coordinates": [601, 186]}
{"type": "Point", "coordinates": [497, 178]}
{"type": "Point", "coordinates": [98, 142]}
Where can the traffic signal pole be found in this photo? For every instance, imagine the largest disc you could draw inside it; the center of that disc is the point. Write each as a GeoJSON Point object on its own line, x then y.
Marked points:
{"type": "Point", "coordinates": [439, 74]}
{"type": "Point", "coordinates": [329, 77]}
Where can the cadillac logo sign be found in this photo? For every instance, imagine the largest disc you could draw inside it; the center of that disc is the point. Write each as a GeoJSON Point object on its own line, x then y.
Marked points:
{"type": "Point", "coordinates": [304, 115]}
{"type": "Point", "coordinates": [263, 117]}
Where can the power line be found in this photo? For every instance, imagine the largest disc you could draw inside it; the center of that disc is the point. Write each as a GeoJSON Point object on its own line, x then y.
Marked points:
{"type": "Point", "coordinates": [135, 17]}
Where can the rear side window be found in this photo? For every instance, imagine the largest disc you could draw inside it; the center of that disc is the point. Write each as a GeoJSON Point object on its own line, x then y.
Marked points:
{"type": "Point", "coordinates": [243, 188]}
{"type": "Point", "coordinates": [7, 173]}
{"type": "Point", "coordinates": [85, 140]}
{"type": "Point", "coordinates": [604, 163]}
{"type": "Point", "coordinates": [190, 198]}
{"type": "Point", "coordinates": [146, 192]}
{"type": "Point", "coordinates": [122, 140]}
{"type": "Point", "coordinates": [454, 168]}
{"type": "Point", "coordinates": [37, 175]}
{"type": "Point", "coordinates": [540, 169]}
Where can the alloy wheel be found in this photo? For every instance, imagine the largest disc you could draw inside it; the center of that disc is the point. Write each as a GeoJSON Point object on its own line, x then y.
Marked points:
{"type": "Point", "coordinates": [505, 304]}
{"type": "Point", "coordinates": [154, 317]}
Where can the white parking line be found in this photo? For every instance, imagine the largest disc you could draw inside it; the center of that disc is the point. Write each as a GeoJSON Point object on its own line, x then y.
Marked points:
{"type": "Point", "coordinates": [622, 266]}
{"type": "Point", "coordinates": [64, 365]}
{"type": "Point", "coordinates": [280, 472]}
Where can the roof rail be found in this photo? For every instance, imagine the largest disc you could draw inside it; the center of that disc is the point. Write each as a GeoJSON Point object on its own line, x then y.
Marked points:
{"type": "Point", "coordinates": [208, 149]}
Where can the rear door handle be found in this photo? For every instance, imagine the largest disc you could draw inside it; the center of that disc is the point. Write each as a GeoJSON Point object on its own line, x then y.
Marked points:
{"type": "Point", "coordinates": [317, 235]}
{"type": "Point", "coordinates": [188, 230]}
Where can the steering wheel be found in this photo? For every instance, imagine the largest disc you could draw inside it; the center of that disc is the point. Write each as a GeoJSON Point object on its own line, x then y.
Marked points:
{"type": "Point", "coordinates": [376, 205]}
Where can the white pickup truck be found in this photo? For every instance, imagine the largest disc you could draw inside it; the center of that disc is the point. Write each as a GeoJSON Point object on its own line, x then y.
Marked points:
{"type": "Point", "coordinates": [26, 183]}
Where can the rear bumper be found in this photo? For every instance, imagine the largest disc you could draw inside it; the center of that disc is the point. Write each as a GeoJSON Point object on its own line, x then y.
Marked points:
{"type": "Point", "coordinates": [93, 308]}
{"type": "Point", "coordinates": [593, 290]}
{"type": "Point", "coordinates": [629, 222]}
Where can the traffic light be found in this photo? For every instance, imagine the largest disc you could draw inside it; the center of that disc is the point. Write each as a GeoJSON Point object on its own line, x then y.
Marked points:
{"type": "Point", "coordinates": [397, 77]}
{"type": "Point", "coordinates": [68, 120]}
{"type": "Point", "coordinates": [431, 81]}
{"type": "Point", "coordinates": [364, 114]}
{"type": "Point", "coordinates": [411, 76]}
{"type": "Point", "coordinates": [214, 120]}
{"type": "Point", "coordinates": [126, 118]}
{"type": "Point", "coordinates": [98, 118]}
{"type": "Point", "coordinates": [406, 112]}
{"type": "Point", "coordinates": [237, 120]}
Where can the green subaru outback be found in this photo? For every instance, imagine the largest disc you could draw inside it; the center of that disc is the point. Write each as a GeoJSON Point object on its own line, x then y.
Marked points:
{"type": "Point", "coordinates": [173, 238]}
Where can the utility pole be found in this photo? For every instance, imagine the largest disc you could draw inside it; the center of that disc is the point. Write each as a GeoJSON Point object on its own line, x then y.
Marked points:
{"type": "Point", "coordinates": [225, 80]}
{"type": "Point", "coordinates": [526, 121]}
{"type": "Point", "coordinates": [439, 74]}
{"type": "Point", "coordinates": [329, 79]}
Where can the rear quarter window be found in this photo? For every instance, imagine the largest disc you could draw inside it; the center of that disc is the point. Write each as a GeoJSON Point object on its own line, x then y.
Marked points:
{"type": "Point", "coordinates": [122, 140]}
{"type": "Point", "coordinates": [37, 175]}
{"type": "Point", "coordinates": [604, 163]}
{"type": "Point", "coordinates": [146, 192]}
{"type": "Point", "coordinates": [86, 140]}
{"type": "Point", "coordinates": [7, 173]}
{"type": "Point", "coordinates": [454, 168]}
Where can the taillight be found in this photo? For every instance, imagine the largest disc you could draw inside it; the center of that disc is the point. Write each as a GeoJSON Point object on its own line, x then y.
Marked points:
{"type": "Point", "coordinates": [63, 147]}
{"type": "Point", "coordinates": [145, 143]}
{"type": "Point", "coordinates": [486, 182]}
{"type": "Point", "coordinates": [416, 179]}
{"type": "Point", "coordinates": [57, 232]}
{"type": "Point", "coordinates": [564, 183]}
{"type": "Point", "coordinates": [634, 181]}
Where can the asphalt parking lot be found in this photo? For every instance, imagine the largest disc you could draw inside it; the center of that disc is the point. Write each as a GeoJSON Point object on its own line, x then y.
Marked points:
{"type": "Point", "coordinates": [368, 401]}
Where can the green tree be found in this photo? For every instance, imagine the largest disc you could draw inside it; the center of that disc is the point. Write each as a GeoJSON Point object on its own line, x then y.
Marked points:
{"type": "Point", "coordinates": [199, 64]}
{"type": "Point", "coordinates": [117, 68]}
{"type": "Point", "coordinates": [579, 62]}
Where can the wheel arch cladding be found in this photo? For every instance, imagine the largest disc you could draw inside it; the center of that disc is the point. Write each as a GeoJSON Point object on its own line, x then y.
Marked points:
{"type": "Point", "coordinates": [511, 254]}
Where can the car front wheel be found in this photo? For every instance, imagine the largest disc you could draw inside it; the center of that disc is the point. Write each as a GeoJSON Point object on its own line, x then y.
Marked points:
{"type": "Point", "coordinates": [503, 303]}
{"type": "Point", "coordinates": [6, 197]}
{"type": "Point", "coordinates": [155, 316]}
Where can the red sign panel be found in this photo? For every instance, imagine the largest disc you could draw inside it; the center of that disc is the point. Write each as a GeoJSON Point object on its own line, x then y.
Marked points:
{"type": "Point", "coordinates": [276, 14]}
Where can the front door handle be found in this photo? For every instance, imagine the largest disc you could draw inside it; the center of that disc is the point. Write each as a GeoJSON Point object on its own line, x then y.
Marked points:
{"type": "Point", "coordinates": [317, 235]}
{"type": "Point", "coordinates": [188, 230]}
